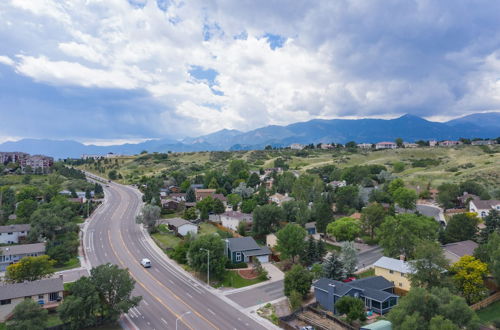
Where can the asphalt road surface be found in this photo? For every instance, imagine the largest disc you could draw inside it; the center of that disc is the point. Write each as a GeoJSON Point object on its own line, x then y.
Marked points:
{"type": "Point", "coordinates": [367, 258]}
{"type": "Point", "coordinates": [258, 295]}
{"type": "Point", "coordinates": [168, 293]}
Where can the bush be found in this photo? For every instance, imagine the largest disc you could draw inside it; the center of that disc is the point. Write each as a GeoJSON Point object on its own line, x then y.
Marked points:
{"type": "Point", "coordinates": [496, 323]}
{"type": "Point", "coordinates": [231, 265]}
{"type": "Point", "coordinates": [295, 300]}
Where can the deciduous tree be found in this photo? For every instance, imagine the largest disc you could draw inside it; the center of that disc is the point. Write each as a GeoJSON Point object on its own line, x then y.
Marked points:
{"type": "Point", "coordinates": [349, 257]}
{"type": "Point", "coordinates": [298, 279]}
{"type": "Point", "coordinates": [266, 218]}
{"type": "Point", "coordinates": [30, 269]}
{"type": "Point", "coordinates": [429, 267]}
{"type": "Point", "coordinates": [461, 227]}
{"type": "Point", "coordinates": [372, 217]}
{"type": "Point", "coordinates": [468, 278]}
{"type": "Point", "coordinates": [28, 315]}
{"type": "Point", "coordinates": [291, 241]}
{"type": "Point", "coordinates": [344, 229]}
{"type": "Point", "coordinates": [148, 216]}
{"type": "Point", "coordinates": [197, 255]}
{"type": "Point", "coordinates": [353, 308]}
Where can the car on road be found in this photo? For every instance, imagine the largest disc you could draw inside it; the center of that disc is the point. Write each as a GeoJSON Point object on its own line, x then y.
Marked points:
{"type": "Point", "coordinates": [146, 263]}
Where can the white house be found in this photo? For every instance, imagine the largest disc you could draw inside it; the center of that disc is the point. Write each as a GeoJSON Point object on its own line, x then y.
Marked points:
{"type": "Point", "coordinates": [449, 143]}
{"type": "Point", "coordinates": [279, 198]}
{"type": "Point", "coordinates": [386, 145]}
{"type": "Point", "coordinates": [232, 219]}
{"type": "Point", "coordinates": [12, 234]}
{"type": "Point", "coordinates": [338, 184]}
{"type": "Point", "coordinates": [364, 145]}
{"type": "Point", "coordinates": [13, 253]}
{"type": "Point", "coordinates": [482, 207]}
{"type": "Point", "coordinates": [181, 227]}
{"type": "Point", "coordinates": [296, 146]}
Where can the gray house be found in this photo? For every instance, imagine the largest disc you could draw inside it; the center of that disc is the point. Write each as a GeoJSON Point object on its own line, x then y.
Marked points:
{"type": "Point", "coordinates": [375, 291]}
{"type": "Point", "coordinates": [13, 253]}
{"type": "Point", "coordinates": [244, 249]}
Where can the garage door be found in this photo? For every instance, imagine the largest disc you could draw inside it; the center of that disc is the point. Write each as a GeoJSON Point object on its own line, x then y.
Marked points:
{"type": "Point", "coordinates": [263, 259]}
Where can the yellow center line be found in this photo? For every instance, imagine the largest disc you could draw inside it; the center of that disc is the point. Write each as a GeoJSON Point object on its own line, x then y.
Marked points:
{"type": "Point", "coordinates": [145, 288]}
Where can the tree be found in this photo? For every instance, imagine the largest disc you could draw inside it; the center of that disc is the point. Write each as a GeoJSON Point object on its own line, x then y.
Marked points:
{"type": "Point", "coordinates": [395, 185]}
{"type": "Point", "coordinates": [28, 315]}
{"type": "Point", "coordinates": [236, 166]}
{"type": "Point", "coordinates": [26, 208]}
{"type": "Point", "coordinates": [234, 200]}
{"type": "Point", "coordinates": [190, 214]}
{"type": "Point", "coordinates": [405, 198]}
{"type": "Point", "coordinates": [242, 228]}
{"type": "Point", "coordinates": [344, 229]}
{"type": "Point", "coordinates": [420, 306]}
{"type": "Point", "coordinates": [307, 188]}
{"type": "Point", "coordinates": [321, 213]}
{"type": "Point", "coordinates": [310, 253]}
{"type": "Point", "coordinates": [448, 193]}
{"type": "Point", "coordinates": [353, 308]}
{"type": "Point", "coordinates": [197, 255]}
{"type": "Point", "coordinates": [333, 268]}
{"type": "Point", "coordinates": [218, 206]}
{"type": "Point", "coordinates": [28, 192]}
{"type": "Point", "coordinates": [30, 269]}
{"type": "Point", "coordinates": [291, 241]}
{"type": "Point", "coordinates": [461, 227]}
{"type": "Point", "coordinates": [148, 216]}
{"type": "Point", "coordinates": [266, 218]}
{"type": "Point", "coordinates": [398, 167]}
{"type": "Point", "coordinates": [349, 257]}
{"type": "Point", "coordinates": [262, 197]}
{"type": "Point", "coordinates": [372, 217]}
{"type": "Point", "coordinates": [114, 286]}
{"type": "Point", "coordinates": [185, 185]}
{"type": "Point", "coordinates": [320, 249]}
{"type": "Point", "coordinates": [190, 195]}
{"type": "Point", "coordinates": [400, 234]}
{"type": "Point", "coordinates": [429, 267]}
{"type": "Point", "coordinates": [253, 180]}
{"type": "Point", "coordinates": [248, 205]}
{"type": "Point", "coordinates": [491, 223]}
{"type": "Point", "coordinates": [113, 175]}
{"type": "Point", "coordinates": [243, 190]}
{"type": "Point", "coordinates": [7, 202]}
{"type": "Point", "coordinates": [79, 309]}
{"type": "Point", "coordinates": [468, 278]}
{"type": "Point", "coordinates": [295, 300]}
{"type": "Point", "coordinates": [298, 279]}
{"type": "Point", "coordinates": [317, 271]}
{"type": "Point", "coordinates": [399, 142]}
{"type": "Point", "coordinates": [347, 198]}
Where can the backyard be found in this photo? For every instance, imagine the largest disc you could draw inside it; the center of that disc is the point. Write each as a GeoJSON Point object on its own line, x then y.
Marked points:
{"type": "Point", "coordinates": [490, 313]}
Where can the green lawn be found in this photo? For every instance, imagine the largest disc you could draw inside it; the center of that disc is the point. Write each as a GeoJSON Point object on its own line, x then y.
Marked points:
{"type": "Point", "coordinates": [72, 263]}
{"type": "Point", "coordinates": [53, 320]}
{"type": "Point", "coordinates": [367, 273]}
{"type": "Point", "coordinates": [233, 280]}
{"type": "Point", "coordinates": [3, 326]}
{"type": "Point", "coordinates": [206, 228]}
{"type": "Point", "coordinates": [330, 247]}
{"type": "Point", "coordinates": [490, 313]}
{"type": "Point", "coordinates": [166, 240]}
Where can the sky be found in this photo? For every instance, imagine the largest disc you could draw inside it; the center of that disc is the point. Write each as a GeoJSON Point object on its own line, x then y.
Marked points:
{"type": "Point", "coordinates": [109, 71]}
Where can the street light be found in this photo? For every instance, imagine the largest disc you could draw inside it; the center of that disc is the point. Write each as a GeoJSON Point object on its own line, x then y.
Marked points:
{"type": "Point", "coordinates": [208, 266]}
{"type": "Point", "coordinates": [180, 317]}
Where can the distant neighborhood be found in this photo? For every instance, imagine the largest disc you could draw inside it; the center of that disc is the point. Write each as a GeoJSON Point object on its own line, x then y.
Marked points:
{"type": "Point", "coordinates": [26, 163]}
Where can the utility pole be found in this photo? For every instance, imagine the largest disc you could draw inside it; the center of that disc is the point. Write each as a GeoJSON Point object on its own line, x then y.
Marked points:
{"type": "Point", "coordinates": [208, 264]}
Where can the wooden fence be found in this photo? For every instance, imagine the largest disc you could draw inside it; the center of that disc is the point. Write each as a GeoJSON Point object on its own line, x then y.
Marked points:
{"type": "Point", "coordinates": [486, 302]}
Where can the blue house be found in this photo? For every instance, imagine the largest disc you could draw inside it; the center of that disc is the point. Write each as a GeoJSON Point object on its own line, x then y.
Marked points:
{"type": "Point", "coordinates": [245, 249]}
{"type": "Point", "coordinates": [375, 291]}
{"type": "Point", "coordinates": [310, 228]}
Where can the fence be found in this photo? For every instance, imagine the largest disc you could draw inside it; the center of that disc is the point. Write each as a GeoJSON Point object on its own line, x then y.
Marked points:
{"type": "Point", "coordinates": [312, 308]}
{"type": "Point", "coordinates": [486, 302]}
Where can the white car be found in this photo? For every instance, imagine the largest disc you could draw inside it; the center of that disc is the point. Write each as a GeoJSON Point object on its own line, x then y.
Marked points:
{"type": "Point", "coordinates": [146, 263]}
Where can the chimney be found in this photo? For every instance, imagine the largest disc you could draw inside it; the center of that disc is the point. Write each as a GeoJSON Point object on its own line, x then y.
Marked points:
{"type": "Point", "coordinates": [402, 257]}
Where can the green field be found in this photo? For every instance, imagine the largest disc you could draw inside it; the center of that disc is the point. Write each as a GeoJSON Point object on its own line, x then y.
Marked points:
{"type": "Point", "coordinates": [490, 313]}
{"type": "Point", "coordinates": [72, 263]}
{"type": "Point", "coordinates": [166, 240]}
{"type": "Point", "coordinates": [233, 280]}
{"type": "Point", "coordinates": [456, 164]}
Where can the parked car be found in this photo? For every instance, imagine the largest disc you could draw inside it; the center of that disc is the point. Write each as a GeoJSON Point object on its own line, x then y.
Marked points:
{"type": "Point", "coordinates": [349, 279]}
{"type": "Point", "coordinates": [146, 263]}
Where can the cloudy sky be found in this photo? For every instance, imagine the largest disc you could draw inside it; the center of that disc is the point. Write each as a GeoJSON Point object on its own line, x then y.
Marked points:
{"type": "Point", "coordinates": [116, 70]}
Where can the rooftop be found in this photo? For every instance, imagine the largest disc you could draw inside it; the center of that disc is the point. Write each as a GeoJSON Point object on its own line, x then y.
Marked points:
{"type": "Point", "coordinates": [22, 249]}
{"type": "Point", "coordinates": [242, 244]}
{"type": "Point", "coordinates": [14, 228]}
{"type": "Point", "coordinates": [485, 204]}
{"type": "Point", "coordinates": [26, 289]}
{"type": "Point", "coordinates": [372, 287]}
{"type": "Point", "coordinates": [177, 222]}
{"type": "Point", "coordinates": [393, 264]}
{"type": "Point", "coordinates": [237, 215]}
{"type": "Point", "coordinates": [454, 251]}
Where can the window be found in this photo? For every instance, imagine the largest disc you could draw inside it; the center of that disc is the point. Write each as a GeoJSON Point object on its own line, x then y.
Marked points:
{"type": "Point", "coordinates": [27, 297]}
{"type": "Point", "coordinates": [9, 233]}
{"type": "Point", "coordinates": [53, 296]}
{"type": "Point", "coordinates": [238, 256]}
{"type": "Point", "coordinates": [40, 296]}
{"type": "Point", "coordinates": [400, 284]}
{"type": "Point", "coordinates": [391, 271]}
{"type": "Point", "coordinates": [5, 302]}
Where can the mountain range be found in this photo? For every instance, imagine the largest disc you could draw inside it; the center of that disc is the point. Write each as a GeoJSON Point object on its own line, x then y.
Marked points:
{"type": "Point", "coordinates": [408, 127]}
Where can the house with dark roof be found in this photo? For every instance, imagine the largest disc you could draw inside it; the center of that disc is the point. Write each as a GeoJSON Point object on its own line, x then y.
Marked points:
{"type": "Point", "coordinates": [12, 234]}
{"type": "Point", "coordinates": [376, 293]}
{"type": "Point", "coordinates": [310, 228]}
{"type": "Point", "coordinates": [48, 293]}
{"type": "Point", "coordinates": [245, 249]}
{"type": "Point", "coordinates": [483, 207]}
{"type": "Point", "coordinates": [13, 253]}
{"type": "Point", "coordinates": [454, 251]}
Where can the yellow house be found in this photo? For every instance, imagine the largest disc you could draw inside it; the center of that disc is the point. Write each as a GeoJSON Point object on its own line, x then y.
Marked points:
{"type": "Point", "coordinates": [395, 271]}
{"type": "Point", "coordinates": [47, 292]}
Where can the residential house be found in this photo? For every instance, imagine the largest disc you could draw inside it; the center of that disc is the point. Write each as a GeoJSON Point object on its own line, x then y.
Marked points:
{"type": "Point", "coordinates": [48, 293]}
{"type": "Point", "coordinates": [394, 270]}
{"type": "Point", "coordinates": [13, 253]}
{"type": "Point", "coordinates": [310, 228]}
{"type": "Point", "coordinates": [279, 198]}
{"type": "Point", "coordinates": [483, 142]}
{"type": "Point", "coordinates": [483, 207]}
{"type": "Point", "coordinates": [410, 145]}
{"type": "Point", "coordinates": [386, 145]}
{"type": "Point", "coordinates": [13, 234]}
{"type": "Point", "coordinates": [271, 240]}
{"type": "Point", "coordinates": [180, 226]}
{"type": "Point", "coordinates": [326, 146]}
{"type": "Point", "coordinates": [196, 186]}
{"type": "Point", "coordinates": [376, 293]}
{"type": "Point", "coordinates": [179, 197]}
{"type": "Point", "coordinates": [174, 189]}
{"type": "Point", "coordinates": [454, 251]}
{"type": "Point", "coordinates": [365, 145]}
{"type": "Point", "coordinates": [433, 143]}
{"type": "Point", "coordinates": [448, 143]}
{"type": "Point", "coordinates": [232, 219]}
{"type": "Point", "coordinates": [296, 146]}
{"type": "Point", "coordinates": [466, 198]}
{"type": "Point", "coordinates": [169, 204]}
{"type": "Point", "coordinates": [245, 249]}
{"type": "Point", "coordinates": [338, 184]}
{"type": "Point", "coordinates": [203, 193]}
{"type": "Point", "coordinates": [379, 325]}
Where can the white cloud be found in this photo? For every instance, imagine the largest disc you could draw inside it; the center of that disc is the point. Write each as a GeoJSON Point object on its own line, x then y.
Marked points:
{"type": "Point", "coordinates": [6, 60]}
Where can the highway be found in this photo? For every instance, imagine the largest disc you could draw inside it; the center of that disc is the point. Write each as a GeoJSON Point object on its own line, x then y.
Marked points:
{"type": "Point", "coordinates": [169, 293]}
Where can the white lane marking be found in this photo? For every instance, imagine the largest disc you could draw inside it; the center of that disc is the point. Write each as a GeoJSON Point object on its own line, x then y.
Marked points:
{"type": "Point", "coordinates": [105, 254]}
{"type": "Point", "coordinates": [163, 320]}
{"type": "Point", "coordinates": [171, 281]}
{"type": "Point", "coordinates": [190, 296]}
{"type": "Point", "coordinates": [211, 311]}
{"type": "Point", "coordinates": [145, 302]}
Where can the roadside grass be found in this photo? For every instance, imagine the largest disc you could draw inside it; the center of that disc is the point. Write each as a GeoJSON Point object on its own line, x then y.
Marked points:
{"type": "Point", "coordinates": [331, 247]}
{"type": "Point", "coordinates": [166, 240]}
{"type": "Point", "coordinates": [490, 313]}
{"type": "Point", "coordinates": [233, 280]}
{"type": "Point", "coordinates": [72, 263]}
{"type": "Point", "coordinates": [367, 273]}
{"type": "Point", "coordinates": [3, 326]}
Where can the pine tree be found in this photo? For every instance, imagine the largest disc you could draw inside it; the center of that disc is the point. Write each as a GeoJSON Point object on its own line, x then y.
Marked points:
{"type": "Point", "coordinates": [333, 268]}
{"type": "Point", "coordinates": [349, 257]}
{"type": "Point", "coordinates": [190, 195]}
{"type": "Point", "coordinates": [310, 255]}
{"type": "Point", "coordinates": [320, 250]}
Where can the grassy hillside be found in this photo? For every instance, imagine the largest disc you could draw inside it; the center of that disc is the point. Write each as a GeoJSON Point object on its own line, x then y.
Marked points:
{"type": "Point", "coordinates": [446, 164]}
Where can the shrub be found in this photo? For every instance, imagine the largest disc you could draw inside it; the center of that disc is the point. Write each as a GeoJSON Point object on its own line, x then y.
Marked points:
{"type": "Point", "coordinates": [231, 265]}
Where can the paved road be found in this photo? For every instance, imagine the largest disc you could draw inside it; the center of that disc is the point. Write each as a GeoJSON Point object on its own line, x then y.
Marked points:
{"type": "Point", "coordinates": [431, 211]}
{"type": "Point", "coordinates": [259, 295]}
{"type": "Point", "coordinates": [369, 257]}
{"type": "Point", "coordinates": [113, 236]}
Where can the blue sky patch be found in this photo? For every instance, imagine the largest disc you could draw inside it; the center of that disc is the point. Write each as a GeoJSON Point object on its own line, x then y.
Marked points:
{"type": "Point", "coordinates": [275, 40]}
{"type": "Point", "coordinates": [200, 73]}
